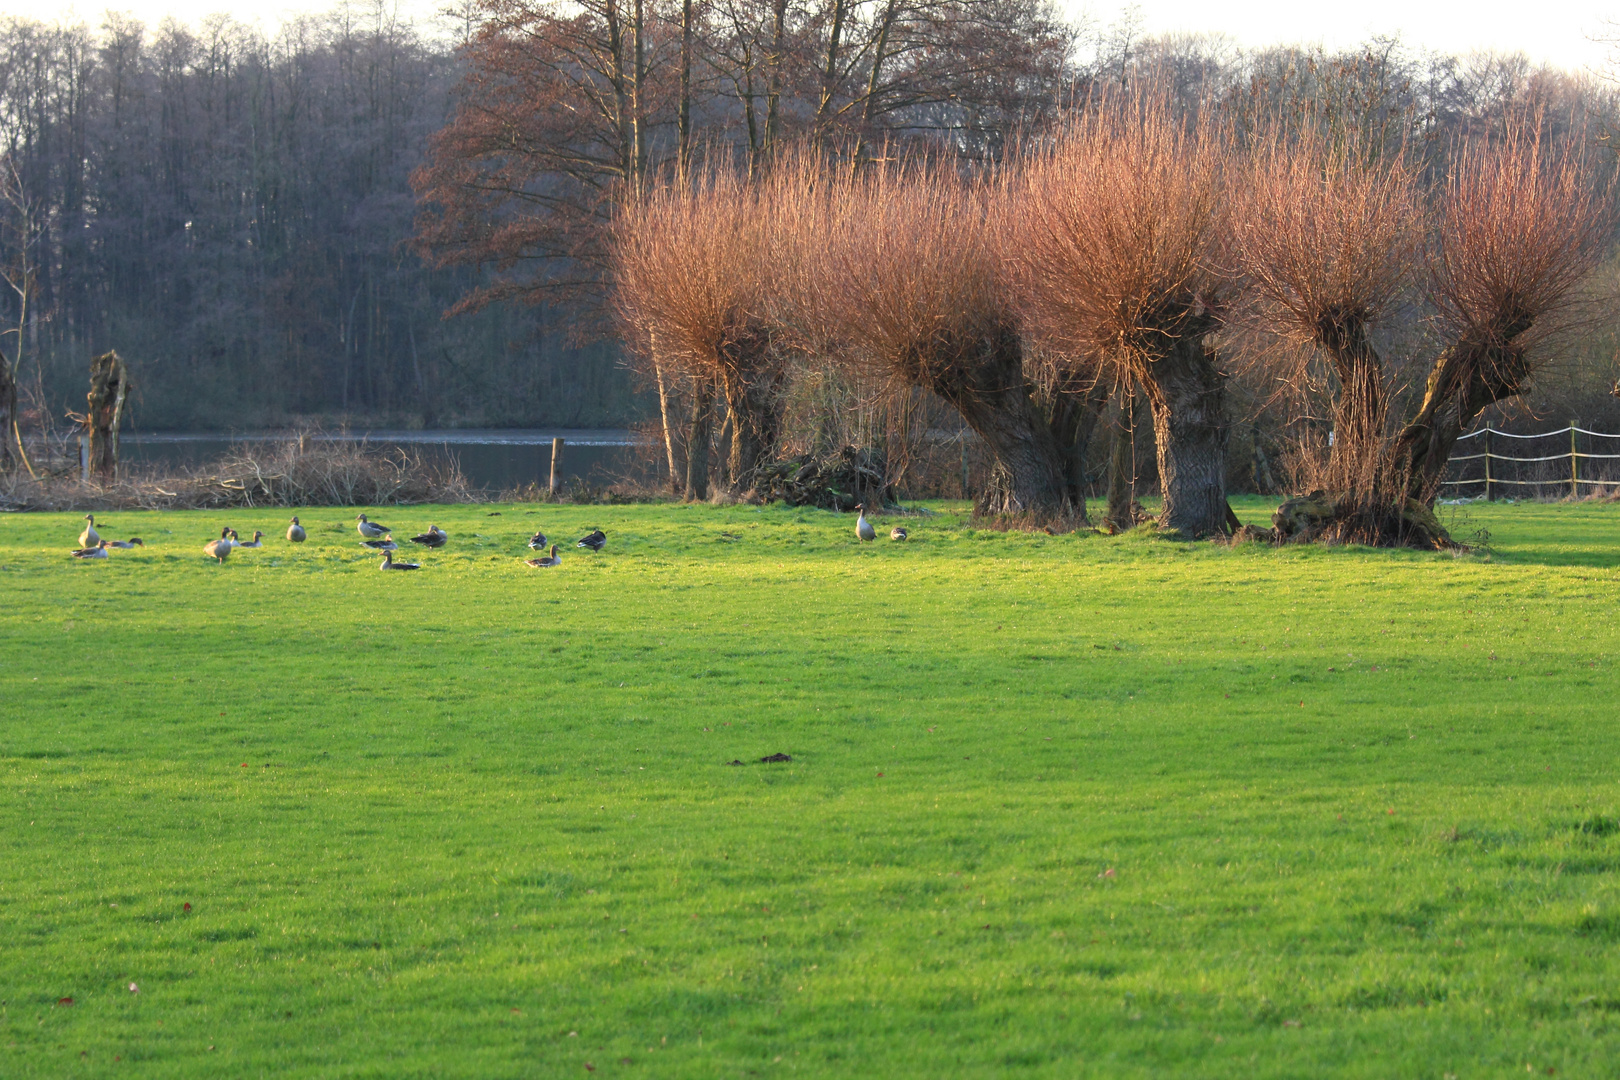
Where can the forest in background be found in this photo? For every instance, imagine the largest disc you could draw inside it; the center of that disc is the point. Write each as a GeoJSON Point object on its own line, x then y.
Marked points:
{"type": "Point", "coordinates": [235, 213]}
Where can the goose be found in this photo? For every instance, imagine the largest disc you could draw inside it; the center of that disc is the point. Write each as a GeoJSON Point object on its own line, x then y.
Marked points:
{"type": "Point", "coordinates": [97, 552]}
{"type": "Point", "coordinates": [385, 544]}
{"type": "Point", "coordinates": [595, 541]}
{"type": "Point", "coordinates": [388, 563]}
{"type": "Point", "coordinates": [863, 528]}
{"type": "Point", "coordinates": [236, 541]}
{"type": "Point", "coordinates": [538, 541]}
{"type": "Point", "coordinates": [89, 538]}
{"type": "Point", "coordinates": [296, 533]}
{"type": "Point", "coordinates": [899, 533]}
{"type": "Point", "coordinates": [434, 537]}
{"type": "Point", "coordinates": [256, 542]}
{"type": "Point", "coordinates": [132, 542]}
{"type": "Point", "coordinates": [370, 529]}
{"type": "Point", "coordinates": [545, 560]}
{"type": "Point", "coordinates": [219, 548]}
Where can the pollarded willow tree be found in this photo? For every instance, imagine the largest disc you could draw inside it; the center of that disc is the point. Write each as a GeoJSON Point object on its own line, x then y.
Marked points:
{"type": "Point", "coordinates": [1327, 237]}
{"type": "Point", "coordinates": [1521, 224]}
{"type": "Point", "coordinates": [693, 281]}
{"type": "Point", "coordinates": [901, 273]}
{"type": "Point", "coordinates": [1122, 257]}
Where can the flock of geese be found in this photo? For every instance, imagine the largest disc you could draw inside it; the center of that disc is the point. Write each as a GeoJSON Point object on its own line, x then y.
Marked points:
{"type": "Point", "coordinates": [374, 535]}
{"type": "Point", "coordinates": [380, 537]}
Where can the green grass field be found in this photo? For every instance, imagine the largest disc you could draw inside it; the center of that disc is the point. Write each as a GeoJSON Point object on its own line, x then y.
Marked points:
{"type": "Point", "coordinates": [1058, 806]}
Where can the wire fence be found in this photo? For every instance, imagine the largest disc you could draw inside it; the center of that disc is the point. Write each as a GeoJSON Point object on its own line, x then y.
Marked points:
{"type": "Point", "coordinates": [1564, 463]}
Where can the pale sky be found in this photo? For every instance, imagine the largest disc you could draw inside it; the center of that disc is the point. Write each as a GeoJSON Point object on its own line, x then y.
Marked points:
{"type": "Point", "coordinates": [1553, 31]}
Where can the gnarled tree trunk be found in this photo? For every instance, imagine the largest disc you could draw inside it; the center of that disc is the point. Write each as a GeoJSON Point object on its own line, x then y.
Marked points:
{"type": "Point", "coordinates": [1123, 415]}
{"type": "Point", "coordinates": [697, 441]}
{"type": "Point", "coordinates": [987, 386]}
{"type": "Point", "coordinates": [1187, 394]}
{"type": "Point", "coordinates": [755, 405]}
{"type": "Point", "coordinates": [8, 413]}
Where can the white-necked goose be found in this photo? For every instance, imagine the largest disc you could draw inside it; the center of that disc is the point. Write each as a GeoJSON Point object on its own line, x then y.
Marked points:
{"type": "Point", "coordinates": [370, 529]}
{"type": "Point", "coordinates": [863, 528]}
{"type": "Point", "coordinates": [899, 533]}
{"type": "Point", "coordinates": [388, 563]}
{"type": "Point", "coordinates": [296, 533]}
{"type": "Point", "coordinates": [434, 537]}
{"type": "Point", "coordinates": [537, 542]}
{"type": "Point", "coordinates": [97, 552]}
{"type": "Point", "coordinates": [596, 541]}
{"type": "Point", "coordinates": [546, 560]}
{"type": "Point", "coordinates": [89, 538]}
{"type": "Point", "coordinates": [132, 542]}
{"type": "Point", "coordinates": [385, 544]}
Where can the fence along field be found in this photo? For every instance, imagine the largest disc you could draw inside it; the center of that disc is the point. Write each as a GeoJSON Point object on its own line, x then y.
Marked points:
{"type": "Point", "coordinates": [1570, 470]}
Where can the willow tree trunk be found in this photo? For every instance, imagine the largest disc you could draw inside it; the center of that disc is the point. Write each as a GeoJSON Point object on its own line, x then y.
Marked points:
{"type": "Point", "coordinates": [109, 387]}
{"type": "Point", "coordinates": [1126, 409]}
{"type": "Point", "coordinates": [755, 405]}
{"type": "Point", "coordinates": [987, 386]}
{"type": "Point", "coordinates": [1187, 394]}
{"type": "Point", "coordinates": [1359, 410]}
{"type": "Point", "coordinates": [698, 433]}
{"type": "Point", "coordinates": [1074, 419]}
{"type": "Point", "coordinates": [8, 413]}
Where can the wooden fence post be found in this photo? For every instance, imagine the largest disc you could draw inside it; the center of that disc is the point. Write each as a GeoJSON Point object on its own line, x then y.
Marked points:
{"type": "Point", "coordinates": [556, 463]}
{"type": "Point", "coordinates": [1574, 467]}
{"type": "Point", "coordinates": [1488, 497]}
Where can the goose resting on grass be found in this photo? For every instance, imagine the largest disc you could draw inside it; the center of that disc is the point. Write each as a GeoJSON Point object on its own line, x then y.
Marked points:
{"type": "Point", "coordinates": [863, 528]}
{"type": "Point", "coordinates": [899, 533]}
{"type": "Point", "coordinates": [385, 544]}
{"type": "Point", "coordinates": [545, 560]}
{"type": "Point", "coordinates": [370, 529]}
{"type": "Point", "coordinates": [132, 542]}
{"type": "Point", "coordinates": [97, 552]}
{"type": "Point", "coordinates": [296, 533]}
{"type": "Point", "coordinates": [256, 542]}
{"type": "Point", "coordinates": [596, 541]}
{"type": "Point", "coordinates": [89, 538]}
{"type": "Point", "coordinates": [537, 542]}
{"type": "Point", "coordinates": [388, 563]}
{"type": "Point", "coordinates": [219, 548]}
{"type": "Point", "coordinates": [434, 537]}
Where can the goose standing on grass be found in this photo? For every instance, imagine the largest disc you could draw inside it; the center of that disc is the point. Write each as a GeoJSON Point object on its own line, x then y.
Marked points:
{"type": "Point", "coordinates": [97, 552]}
{"type": "Point", "coordinates": [132, 542]}
{"type": "Point", "coordinates": [596, 541]}
{"type": "Point", "coordinates": [434, 537]}
{"type": "Point", "coordinates": [89, 538]}
{"type": "Point", "coordinates": [537, 542]}
{"type": "Point", "coordinates": [296, 533]}
{"type": "Point", "coordinates": [863, 528]}
{"type": "Point", "coordinates": [545, 560]}
{"type": "Point", "coordinates": [388, 563]}
{"type": "Point", "coordinates": [256, 542]}
{"type": "Point", "coordinates": [370, 529]}
{"type": "Point", "coordinates": [899, 533]}
{"type": "Point", "coordinates": [221, 547]}
{"type": "Point", "coordinates": [385, 544]}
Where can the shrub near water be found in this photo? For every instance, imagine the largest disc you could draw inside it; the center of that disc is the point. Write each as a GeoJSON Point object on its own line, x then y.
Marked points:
{"type": "Point", "coordinates": [1063, 806]}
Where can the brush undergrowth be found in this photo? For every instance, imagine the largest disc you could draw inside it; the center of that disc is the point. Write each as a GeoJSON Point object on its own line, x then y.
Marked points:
{"type": "Point", "coordinates": [1058, 806]}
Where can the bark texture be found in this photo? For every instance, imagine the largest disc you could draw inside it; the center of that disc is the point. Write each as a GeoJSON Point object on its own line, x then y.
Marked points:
{"type": "Point", "coordinates": [8, 414]}
{"type": "Point", "coordinates": [984, 380]}
{"type": "Point", "coordinates": [1124, 413]}
{"type": "Point", "coordinates": [697, 442]}
{"type": "Point", "coordinates": [109, 387]}
{"type": "Point", "coordinates": [1187, 394]}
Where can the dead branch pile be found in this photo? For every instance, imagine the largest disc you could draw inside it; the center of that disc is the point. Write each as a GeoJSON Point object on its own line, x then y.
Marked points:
{"type": "Point", "coordinates": [838, 481]}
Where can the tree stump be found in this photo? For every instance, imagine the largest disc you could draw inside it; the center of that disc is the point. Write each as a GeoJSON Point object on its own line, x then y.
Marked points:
{"type": "Point", "coordinates": [109, 387]}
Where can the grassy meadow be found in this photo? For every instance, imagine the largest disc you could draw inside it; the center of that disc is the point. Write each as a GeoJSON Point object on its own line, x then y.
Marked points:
{"type": "Point", "coordinates": [1058, 806]}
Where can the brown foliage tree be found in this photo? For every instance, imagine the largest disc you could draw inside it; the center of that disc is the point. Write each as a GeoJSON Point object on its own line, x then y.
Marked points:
{"type": "Point", "coordinates": [1121, 248]}
{"type": "Point", "coordinates": [1328, 236]}
{"type": "Point", "coordinates": [902, 273]}
{"type": "Point", "coordinates": [694, 278]}
{"type": "Point", "coordinates": [1522, 222]}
